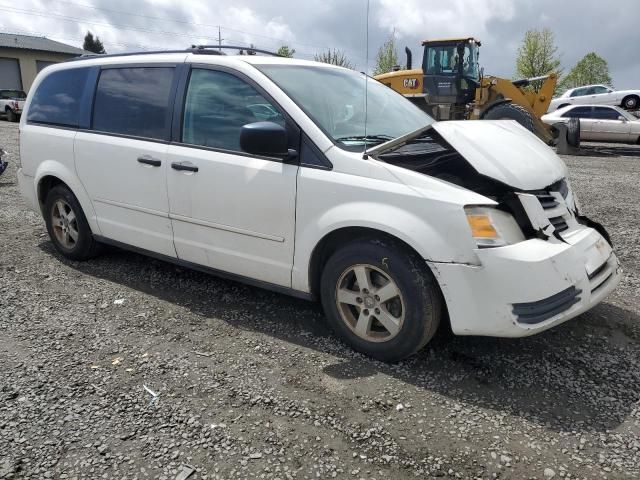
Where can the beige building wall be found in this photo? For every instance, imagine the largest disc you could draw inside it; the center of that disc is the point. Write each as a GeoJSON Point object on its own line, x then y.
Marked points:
{"type": "Point", "coordinates": [28, 58]}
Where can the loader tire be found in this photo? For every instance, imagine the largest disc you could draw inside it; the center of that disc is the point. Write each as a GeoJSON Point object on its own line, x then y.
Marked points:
{"type": "Point", "coordinates": [573, 132]}
{"type": "Point", "coordinates": [510, 111]}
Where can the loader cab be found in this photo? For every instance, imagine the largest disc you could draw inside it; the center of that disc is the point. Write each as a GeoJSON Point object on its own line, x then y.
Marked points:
{"type": "Point", "coordinates": [451, 71]}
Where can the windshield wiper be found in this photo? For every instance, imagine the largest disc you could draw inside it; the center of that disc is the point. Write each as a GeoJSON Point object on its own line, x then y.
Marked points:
{"type": "Point", "coordinates": [365, 138]}
{"type": "Point", "coordinates": [394, 143]}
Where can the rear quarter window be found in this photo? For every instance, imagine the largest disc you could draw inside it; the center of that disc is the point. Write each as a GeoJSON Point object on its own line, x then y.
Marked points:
{"type": "Point", "coordinates": [58, 97]}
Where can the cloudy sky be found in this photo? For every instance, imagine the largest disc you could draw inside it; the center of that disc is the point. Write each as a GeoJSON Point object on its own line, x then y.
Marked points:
{"type": "Point", "coordinates": [608, 28]}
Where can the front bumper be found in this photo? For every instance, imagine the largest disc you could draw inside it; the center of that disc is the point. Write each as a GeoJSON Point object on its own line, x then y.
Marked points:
{"type": "Point", "coordinates": [523, 289]}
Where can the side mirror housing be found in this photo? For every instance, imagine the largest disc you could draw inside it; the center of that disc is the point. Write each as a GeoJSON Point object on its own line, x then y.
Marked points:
{"type": "Point", "coordinates": [622, 119]}
{"type": "Point", "coordinates": [264, 138]}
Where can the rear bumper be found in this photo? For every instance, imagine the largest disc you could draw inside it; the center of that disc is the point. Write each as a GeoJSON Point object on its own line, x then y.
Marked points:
{"type": "Point", "coordinates": [523, 289]}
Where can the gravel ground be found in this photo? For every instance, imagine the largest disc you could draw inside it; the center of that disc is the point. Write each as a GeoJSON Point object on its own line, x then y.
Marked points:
{"type": "Point", "coordinates": [250, 384]}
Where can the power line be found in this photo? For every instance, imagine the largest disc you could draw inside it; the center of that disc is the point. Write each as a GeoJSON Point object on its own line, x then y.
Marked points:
{"type": "Point", "coordinates": [157, 32]}
{"type": "Point", "coordinates": [79, 40]}
{"type": "Point", "coordinates": [185, 22]}
{"type": "Point", "coordinates": [114, 26]}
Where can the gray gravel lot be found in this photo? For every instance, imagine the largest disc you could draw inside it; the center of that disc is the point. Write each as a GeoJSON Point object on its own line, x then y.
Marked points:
{"type": "Point", "coordinates": [250, 384]}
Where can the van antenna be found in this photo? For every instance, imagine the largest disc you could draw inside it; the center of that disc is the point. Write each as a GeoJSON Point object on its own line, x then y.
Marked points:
{"type": "Point", "coordinates": [366, 85]}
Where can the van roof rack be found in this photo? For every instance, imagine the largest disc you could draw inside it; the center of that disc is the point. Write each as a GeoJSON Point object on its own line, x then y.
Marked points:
{"type": "Point", "coordinates": [197, 49]}
{"type": "Point", "coordinates": [212, 48]}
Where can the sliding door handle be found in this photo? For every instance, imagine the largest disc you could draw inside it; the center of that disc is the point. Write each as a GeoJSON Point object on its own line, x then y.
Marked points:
{"type": "Point", "coordinates": [149, 160]}
{"type": "Point", "coordinates": [184, 166]}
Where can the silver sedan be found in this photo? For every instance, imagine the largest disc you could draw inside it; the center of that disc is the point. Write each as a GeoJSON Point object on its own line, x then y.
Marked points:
{"type": "Point", "coordinates": [599, 122]}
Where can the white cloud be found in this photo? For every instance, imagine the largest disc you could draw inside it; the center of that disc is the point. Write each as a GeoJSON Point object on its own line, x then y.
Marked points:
{"type": "Point", "coordinates": [438, 19]}
{"type": "Point", "coordinates": [241, 24]}
{"type": "Point", "coordinates": [310, 26]}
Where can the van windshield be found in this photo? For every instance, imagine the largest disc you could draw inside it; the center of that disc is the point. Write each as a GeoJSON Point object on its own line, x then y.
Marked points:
{"type": "Point", "coordinates": [334, 99]}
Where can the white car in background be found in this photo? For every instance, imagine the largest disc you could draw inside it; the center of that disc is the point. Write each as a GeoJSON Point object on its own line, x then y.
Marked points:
{"type": "Point", "coordinates": [597, 95]}
{"type": "Point", "coordinates": [599, 122]}
{"type": "Point", "coordinates": [11, 103]}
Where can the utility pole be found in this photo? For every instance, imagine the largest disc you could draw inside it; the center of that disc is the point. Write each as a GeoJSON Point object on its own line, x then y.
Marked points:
{"type": "Point", "coordinates": [220, 39]}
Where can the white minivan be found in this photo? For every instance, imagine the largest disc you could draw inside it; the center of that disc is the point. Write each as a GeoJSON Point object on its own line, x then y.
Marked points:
{"type": "Point", "coordinates": [271, 171]}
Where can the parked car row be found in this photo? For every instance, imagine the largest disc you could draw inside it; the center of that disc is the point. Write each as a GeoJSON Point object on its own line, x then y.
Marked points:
{"type": "Point", "coordinates": [599, 123]}
{"type": "Point", "coordinates": [597, 95]}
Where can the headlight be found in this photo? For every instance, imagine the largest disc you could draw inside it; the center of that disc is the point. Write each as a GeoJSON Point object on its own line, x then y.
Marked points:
{"type": "Point", "coordinates": [491, 227]}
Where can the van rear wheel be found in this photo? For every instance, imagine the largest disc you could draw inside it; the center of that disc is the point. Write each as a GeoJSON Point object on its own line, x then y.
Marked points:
{"type": "Point", "coordinates": [381, 299]}
{"type": "Point", "coordinates": [67, 225]}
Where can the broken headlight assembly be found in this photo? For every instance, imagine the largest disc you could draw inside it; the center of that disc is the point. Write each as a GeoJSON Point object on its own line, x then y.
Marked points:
{"type": "Point", "coordinates": [571, 199]}
{"type": "Point", "coordinates": [491, 227]}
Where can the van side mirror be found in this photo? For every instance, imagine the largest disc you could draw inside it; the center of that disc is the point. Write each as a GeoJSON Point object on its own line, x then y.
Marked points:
{"type": "Point", "coordinates": [264, 138]}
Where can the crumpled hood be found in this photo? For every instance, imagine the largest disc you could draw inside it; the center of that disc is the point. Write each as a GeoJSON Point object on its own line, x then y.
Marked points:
{"type": "Point", "coordinates": [504, 151]}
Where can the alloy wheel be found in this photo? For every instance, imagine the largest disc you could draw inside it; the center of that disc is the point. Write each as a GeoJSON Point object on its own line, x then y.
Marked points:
{"type": "Point", "coordinates": [370, 303]}
{"type": "Point", "coordinates": [65, 224]}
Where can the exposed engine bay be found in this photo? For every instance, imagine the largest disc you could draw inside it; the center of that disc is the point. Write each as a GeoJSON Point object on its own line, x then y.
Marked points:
{"type": "Point", "coordinates": [430, 154]}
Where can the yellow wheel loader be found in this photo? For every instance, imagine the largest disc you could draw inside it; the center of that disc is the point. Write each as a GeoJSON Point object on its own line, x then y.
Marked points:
{"type": "Point", "coordinates": [451, 86]}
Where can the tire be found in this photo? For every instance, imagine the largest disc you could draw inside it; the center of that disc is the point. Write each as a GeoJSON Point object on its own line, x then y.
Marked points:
{"type": "Point", "coordinates": [11, 116]}
{"type": "Point", "coordinates": [631, 102]}
{"type": "Point", "coordinates": [413, 300]}
{"type": "Point", "coordinates": [65, 219]}
{"type": "Point", "coordinates": [573, 132]}
{"type": "Point", "coordinates": [510, 111]}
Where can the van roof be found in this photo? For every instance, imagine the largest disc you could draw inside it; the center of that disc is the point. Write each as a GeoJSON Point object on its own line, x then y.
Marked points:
{"type": "Point", "coordinates": [188, 56]}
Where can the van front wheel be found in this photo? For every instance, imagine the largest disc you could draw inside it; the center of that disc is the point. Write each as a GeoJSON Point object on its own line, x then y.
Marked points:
{"type": "Point", "coordinates": [381, 299]}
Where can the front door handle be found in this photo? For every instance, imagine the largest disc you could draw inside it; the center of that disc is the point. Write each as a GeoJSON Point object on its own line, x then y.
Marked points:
{"type": "Point", "coordinates": [149, 160]}
{"type": "Point", "coordinates": [184, 166]}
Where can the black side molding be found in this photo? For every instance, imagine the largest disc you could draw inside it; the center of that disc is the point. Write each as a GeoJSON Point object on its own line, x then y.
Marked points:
{"type": "Point", "coordinates": [211, 271]}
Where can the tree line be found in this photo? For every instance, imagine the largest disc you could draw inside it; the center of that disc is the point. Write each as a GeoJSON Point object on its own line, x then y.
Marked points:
{"type": "Point", "coordinates": [538, 55]}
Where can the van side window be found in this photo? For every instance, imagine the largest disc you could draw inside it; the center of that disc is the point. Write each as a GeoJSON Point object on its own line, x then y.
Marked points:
{"type": "Point", "coordinates": [57, 99]}
{"type": "Point", "coordinates": [217, 105]}
{"type": "Point", "coordinates": [134, 101]}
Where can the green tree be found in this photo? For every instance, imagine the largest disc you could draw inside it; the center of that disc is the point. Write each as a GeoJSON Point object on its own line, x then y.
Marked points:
{"type": "Point", "coordinates": [92, 44]}
{"type": "Point", "coordinates": [591, 69]}
{"type": "Point", "coordinates": [387, 57]}
{"type": "Point", "coordinates": [537, 56]}
{"type": "Point", "coordinates": [285, 51]}
{"type": "Point", "coordinates": [334, 57]}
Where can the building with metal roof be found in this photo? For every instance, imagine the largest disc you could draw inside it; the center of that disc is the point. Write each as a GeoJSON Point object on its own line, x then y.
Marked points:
{"type": "Point", "coordinates": [23, 56]}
